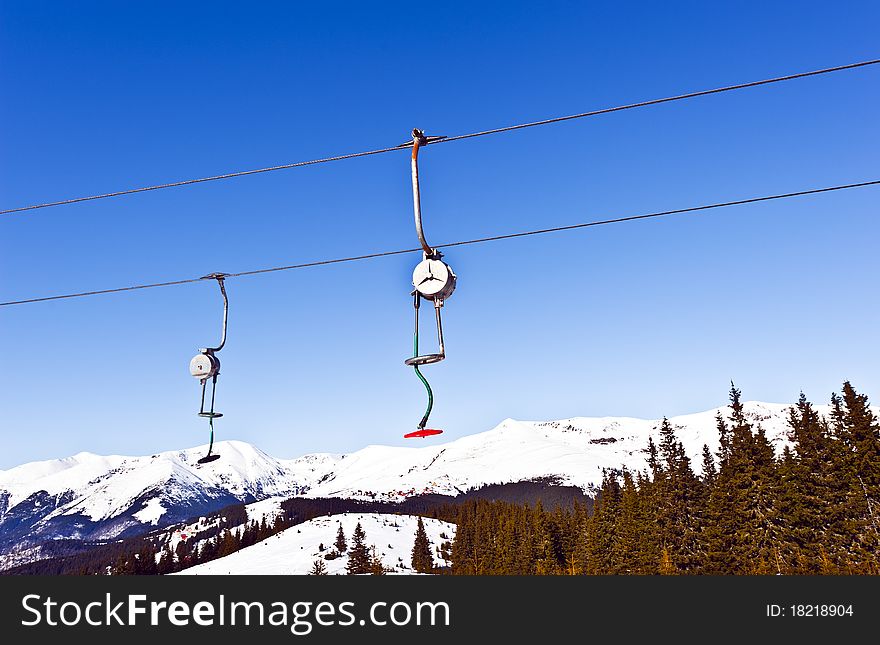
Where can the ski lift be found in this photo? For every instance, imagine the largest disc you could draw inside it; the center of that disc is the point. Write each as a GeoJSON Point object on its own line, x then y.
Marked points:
{"type": "Point", "coordinates": [205, 365]}
{"type": "Point", "coordinates": [433, 280]}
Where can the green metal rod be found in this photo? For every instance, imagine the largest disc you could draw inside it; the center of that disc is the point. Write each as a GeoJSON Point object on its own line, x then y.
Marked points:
{"type": "Point", "coordinates": [424, 420]}
{"type": "Point", "coordinates": [211, 445]}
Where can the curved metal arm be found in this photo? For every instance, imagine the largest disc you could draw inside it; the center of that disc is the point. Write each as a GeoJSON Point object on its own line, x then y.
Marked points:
{"type": "Point", "coordinates": [419, 139]}
{"type": "Point", "coordinates": [219, 277]}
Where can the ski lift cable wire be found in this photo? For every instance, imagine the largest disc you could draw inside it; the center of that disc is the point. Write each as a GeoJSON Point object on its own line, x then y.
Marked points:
{"type": "Point", "coordinates": [406, 146]}
{"type": "Point", "coordinates": [481, 240]}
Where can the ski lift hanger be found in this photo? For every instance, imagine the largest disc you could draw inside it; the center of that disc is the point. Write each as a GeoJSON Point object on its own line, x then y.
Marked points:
{"type": "Point", "coordinates": [205, 365]}
{"type": "Point", "coordinates": [433, 280]}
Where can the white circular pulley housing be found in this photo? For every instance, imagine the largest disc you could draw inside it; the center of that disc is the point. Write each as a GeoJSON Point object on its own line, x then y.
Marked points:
{"type": "Point", "coordinates": [204, 366]}
{"type": "Point", "coordinates": [434, 279]}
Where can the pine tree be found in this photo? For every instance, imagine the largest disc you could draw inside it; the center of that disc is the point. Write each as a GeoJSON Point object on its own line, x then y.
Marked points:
{"type": "Point", "coordinates": [226, 544]}
{"type": "Point", "coordinates": [464, 556]}
{"type": "Point", "coordinates": [653, 457]}
{"type": "Point", "coordinates": [744, 521]}
{"type": "Point", "coordinates": [723, 438]}
{"type": "Point", "coordinates": [602, 529]}
{"type": "Point", "coordinates": [123, 567]}
{"type": "Point", "coordinates": [726, 506]}
{"type": "Point", "coordinates": [376, 568]}
{"type": "Point", "coordinates": [422, 558]}
{"type": "Point", "coordinates": [678, 498]}
{"type": "Point", "coordinates": [547, 541]}
{"type": "Point", "coordinates": [709, 472]}
{"type": "Point", "coordinates": [145, 561]}
{"type": "Point", "coordinates": [340, 543]}
{"type": "Point", "coordinates": [318, 568]}
{"type": "Point", "coordinates": [568, 520]}
{"type": "Point", "coordinates": [811, 498]}
{"type": "Point", "coordinates": [859, 431]}
{"type": "Point", "coordinates": [668, 443]}
{"type": "Point", "coordinates": [650, 539]}
{"type": "Point", "coordinates": [629, 553]}
{"type": "Point", "coordinates": [520, 538]}
{"type": "Point", "coordinates": [166, 561]}
{"type": "Point", "coordinates": [359, 554]}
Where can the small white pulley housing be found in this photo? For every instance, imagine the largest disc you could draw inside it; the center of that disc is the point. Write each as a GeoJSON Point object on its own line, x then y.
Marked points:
{"type": "Point", "coordinates": [434, 279]}
{"type": "Point", "coordinates": [204, 366]}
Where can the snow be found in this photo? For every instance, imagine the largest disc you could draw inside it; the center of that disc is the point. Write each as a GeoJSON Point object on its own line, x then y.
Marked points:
{"type": "Point", "coordinates": [55, 476]}
{"type": "Point", "coordinates": [104, 487]}
{"type": "Point", "coordinates": [151, 512]}
{"type": "Point", "coordinates": [256, 511]}
{"type": "Point", "coordinates": [294, 550]}
{"type": "Point", "coordinates": [575, 451]}
{"type": "Point", "coordinates": [268, 508]}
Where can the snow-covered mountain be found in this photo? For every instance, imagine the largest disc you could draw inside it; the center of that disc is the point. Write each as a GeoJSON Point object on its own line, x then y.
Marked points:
{"type": "Point", "coordinates": [572, 451]}
{"type": "Point", "coordinates": [294, 550]}
{"type": "Point", "coordinates": [89, 497]}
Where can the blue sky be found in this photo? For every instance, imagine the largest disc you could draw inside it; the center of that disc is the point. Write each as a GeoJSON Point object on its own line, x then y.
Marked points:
{"type": "Point", "coordinates": [640, 319]}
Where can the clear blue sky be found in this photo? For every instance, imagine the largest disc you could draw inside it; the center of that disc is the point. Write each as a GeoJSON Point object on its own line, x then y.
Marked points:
{"type": "Point", "coordinates": [640, 319]}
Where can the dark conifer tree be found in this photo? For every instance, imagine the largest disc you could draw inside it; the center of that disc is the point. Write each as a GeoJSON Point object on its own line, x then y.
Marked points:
{"type": "Point", "coordinates": [376, 568]}
{"type": "Point", "coordinates": [649, 505]}
{"type": "Point", "coordinates": [525, 540]}
{"type": "Point", "coordinates": [811, 498]}
{"type": "Point", "coordinates": [743, 513]}
{"type": "Point", "coordinates": [422, 558]}
{"type": "Point", "coordinates": [340, 544]}
{"type": "Point", "coordinates": [463, 548]}
{"type": "Point", "coordinates": [359, 554]}
{"type": "Point", "coordinates": [602, 528]}
{"type": "Point", "coordinates": [629, 554]}
{"type": "Point", "coordinates": [547, 542]}
{"type": "Point", "coordinates": [166, 561]}
{"type": "Point", "coordinates": [723, 438]}
{"type": "Point", "coordinates": [566, 522]}
{"type": "Point", "coordinates": [678, 500]}
{"type": "Point", "coordinates": [668, 445]}
{"type": "Point", "coordinates": [859, 431]}
{"type": "Point", "coordinates": [709, 471]}
{"type": "Point", "coordinates": [725, 506]}
{"type": "Point", "coordinates": [122, 567]}
{"type": "Point", "coordinates": [653, 457]}
{"type": "Point", "coordinates": [226, 544]}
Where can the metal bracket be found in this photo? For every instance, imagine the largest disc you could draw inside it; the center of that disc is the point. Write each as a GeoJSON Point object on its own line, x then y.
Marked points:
{"type": "Point", "coordinates": [427, 359]}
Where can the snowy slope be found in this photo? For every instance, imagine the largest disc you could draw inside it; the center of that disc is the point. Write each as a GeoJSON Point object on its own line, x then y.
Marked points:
{"type": "Point", "coordinates": [573, 450]}
{"type": "Point", "coordinates": [267, 509]}
{"type": "Point", "coordinates": [294, 550]}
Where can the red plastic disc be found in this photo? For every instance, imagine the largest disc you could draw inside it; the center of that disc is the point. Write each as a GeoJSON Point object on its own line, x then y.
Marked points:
{"type": "Point", "coordinates": [425, 432]}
